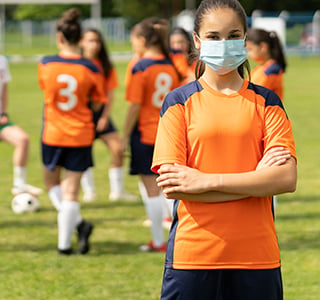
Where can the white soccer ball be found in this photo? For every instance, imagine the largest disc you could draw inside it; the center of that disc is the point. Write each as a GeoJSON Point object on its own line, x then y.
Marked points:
{"type": "Point", "coordinates": [24, 203]}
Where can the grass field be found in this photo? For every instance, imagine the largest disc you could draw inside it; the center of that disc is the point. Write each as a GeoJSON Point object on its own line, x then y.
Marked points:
{"type": "Point", "coordinates": [30, 267]}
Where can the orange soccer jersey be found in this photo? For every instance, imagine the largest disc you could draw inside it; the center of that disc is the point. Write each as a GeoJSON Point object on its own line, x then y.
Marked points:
{"type": "Point", "coordinates": [269, 75]}
{"type": "Point", "coordinates": [217, 133]}
{"type": "Point", "coordinates": [151, 80]}
{"type": "Point", "coordinates": [181, 62]}
{"type": "Point", "coordinates": [69, 83]}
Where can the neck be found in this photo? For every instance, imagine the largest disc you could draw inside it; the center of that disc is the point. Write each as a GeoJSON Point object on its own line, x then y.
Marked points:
{"type": "Point", "coordinates": [70, 50]}
{"type": "Point", "coordinates": [152, 51]}
{"type": "Point", "coordinates": [226, 84]}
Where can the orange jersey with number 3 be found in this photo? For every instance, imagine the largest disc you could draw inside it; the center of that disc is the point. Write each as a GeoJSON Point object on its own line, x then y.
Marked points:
{"type": "Point", "coordinates": [151, 80]}
{"type": "Point", "coordinates": [69, 83]}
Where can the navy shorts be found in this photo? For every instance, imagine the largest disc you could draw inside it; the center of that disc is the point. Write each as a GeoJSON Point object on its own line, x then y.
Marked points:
{"type": "Point", "coordinates": [141, 155]}
{"type": "Point", "coordinates": [76, 159]}
{"type": "Point", "coordinates": [233, 284]}
{"type": "Point", "coordinates": [110, 128]}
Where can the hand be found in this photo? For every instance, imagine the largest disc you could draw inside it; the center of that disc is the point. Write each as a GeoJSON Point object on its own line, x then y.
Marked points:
{"type": "Point", "coordinates": [274, 157]}
{"type": "Point", "coordinates": [181, 179]}
{"type": "Point", "coordinates": [102, 124]}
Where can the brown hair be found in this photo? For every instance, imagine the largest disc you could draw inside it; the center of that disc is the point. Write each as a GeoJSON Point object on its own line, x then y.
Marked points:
{"type": "Point", "coordinates": [156, 33]}
{"type": "Point", "coordinates": [258, 36]}
{"type": "Point", "coordinates": [69, 25]}
{"type": "Point", "coordinates": [204, 8]}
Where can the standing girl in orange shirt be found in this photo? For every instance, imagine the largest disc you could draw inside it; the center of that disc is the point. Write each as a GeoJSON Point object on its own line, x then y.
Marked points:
{"type": "Point", "coordinates": [152, 77]}
{"type": "Point", "coordinates": [68, 81]}
{"type": "Point", "coordinates": [224, 146]}
{"type": "Point", "coordinates": [93, 48]}
{"type": "Point", "coordinates": [265, 48]}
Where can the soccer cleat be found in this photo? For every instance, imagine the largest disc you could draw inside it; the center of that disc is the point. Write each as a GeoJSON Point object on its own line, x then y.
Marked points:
{"type": "Point", "coordinates": [26, 188]}
{"type": "Point", "coordinates": [84, 231]}
{"type": "Point", "coordinates": [150, 247]}
{"type": "Point", "coordinates": [65, 251]}
{"type": "Point", "coordinates": [89, 196]}
{"type": "Point", "coordinates": [123, 195]}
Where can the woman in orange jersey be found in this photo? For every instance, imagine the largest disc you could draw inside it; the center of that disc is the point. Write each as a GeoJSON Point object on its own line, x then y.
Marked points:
{"type": "Point", "coordinates": [152, 77]}
{"type": "Point", "coordinates": [68, 81]}
{"type": "Point", "coordinates": [93, 48]}
{"type": "Point", "coordinates": [224, 146]}
{"type": "Point", "coordinates": [265, 48]}
{"type": "Point", "coordinates": [181, 40]}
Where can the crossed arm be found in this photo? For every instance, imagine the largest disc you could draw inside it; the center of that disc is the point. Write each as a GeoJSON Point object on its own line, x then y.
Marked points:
{"type": "Point", "coordinates": [275, 174]}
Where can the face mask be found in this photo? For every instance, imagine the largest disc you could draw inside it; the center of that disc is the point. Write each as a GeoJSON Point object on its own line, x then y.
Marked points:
{"type": "Point", "coordinates": [223, 56]}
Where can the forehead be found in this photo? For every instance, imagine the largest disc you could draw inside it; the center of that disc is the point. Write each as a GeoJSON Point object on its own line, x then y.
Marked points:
{"type": "Point", "coordinates": [221, 20]}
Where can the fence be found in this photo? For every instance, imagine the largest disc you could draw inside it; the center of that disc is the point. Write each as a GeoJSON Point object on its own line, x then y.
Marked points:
{"type": "Point", "coordinates": [302, 31]}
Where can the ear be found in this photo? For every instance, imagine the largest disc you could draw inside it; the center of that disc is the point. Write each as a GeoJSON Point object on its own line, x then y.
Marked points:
{"type": "Point", "coordinates": [197, 43]}
{"type": "Point", "coordinates": [264, 47]}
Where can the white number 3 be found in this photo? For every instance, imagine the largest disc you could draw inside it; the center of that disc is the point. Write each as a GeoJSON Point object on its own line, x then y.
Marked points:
{"type": "Point", "coordinates": [68, 91]}
{"type": "Point", "coordinates": [163, 86]}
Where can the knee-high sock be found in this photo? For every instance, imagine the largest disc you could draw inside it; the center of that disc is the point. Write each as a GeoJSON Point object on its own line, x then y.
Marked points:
{"type": "Point", "coordinates": [116, 179]}
{"type": "Point", "coordinates": [154, 208]}
{"type": "Point", "coordinates": [67, 221]}
{"type": "Point", "coordinates": [55, 196]}
{"type": "Point", "coordinates": [19, 176]}
{"type": "Point", "coordinates": [87, 181]}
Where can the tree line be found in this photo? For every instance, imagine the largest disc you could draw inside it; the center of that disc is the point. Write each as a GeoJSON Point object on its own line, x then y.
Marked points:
{"type": "Point", "coordinates": [136, 10]}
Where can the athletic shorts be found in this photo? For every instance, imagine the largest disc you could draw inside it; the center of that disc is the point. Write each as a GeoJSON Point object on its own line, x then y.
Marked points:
{"type": "Point", "coordinates": [110, 128]}
{"type": "Point", "coordinates": [6, 125]}
{"type": "Point", "coordinates": [76, 159]}
{"type": "Point", "coordinates": [233, 284]}
{"type": "Point", "coordinates": [141, 155]}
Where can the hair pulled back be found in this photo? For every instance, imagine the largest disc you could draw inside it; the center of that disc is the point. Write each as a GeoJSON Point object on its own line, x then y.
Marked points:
{"type": "Point", "coordinates": [207, 6]}
{"type": "Point", "coordinates": [70, 26]}
{"type": "Point", "coordinates": [258, 36]}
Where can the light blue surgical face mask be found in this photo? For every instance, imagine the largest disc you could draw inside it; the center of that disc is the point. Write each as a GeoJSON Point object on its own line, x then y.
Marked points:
{"type": "Point", "coordinates": [223, 56]}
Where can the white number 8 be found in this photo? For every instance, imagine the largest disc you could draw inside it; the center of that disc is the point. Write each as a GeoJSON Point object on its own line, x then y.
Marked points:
{"type": "Point", "coordinates": [68, 92]}
{"type": "Point", "coordinates": [163, 86]}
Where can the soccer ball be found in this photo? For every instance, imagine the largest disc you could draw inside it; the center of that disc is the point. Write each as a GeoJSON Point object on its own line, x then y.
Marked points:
{"type": "Point", "coordinates": [24, 203]}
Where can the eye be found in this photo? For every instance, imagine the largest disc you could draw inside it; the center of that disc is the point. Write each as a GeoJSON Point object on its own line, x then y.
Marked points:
{"type": "Point", "coordinates": [213, 37]}
{"type": "Point", "coordinates": [234, 36]}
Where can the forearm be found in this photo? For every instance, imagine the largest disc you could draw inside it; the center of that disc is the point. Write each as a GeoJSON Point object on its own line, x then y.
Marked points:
{"type": "Point", "coordinates": [264, 182]}
{"type": "Point", "coordinates": [131, 119]}
{"type": "Point", "coordinates": [210, 197]}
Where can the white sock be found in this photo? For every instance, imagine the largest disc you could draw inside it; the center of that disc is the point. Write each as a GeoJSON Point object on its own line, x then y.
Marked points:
{"type": "Point", "coordinates": [143, 191]}
{"type": "Point", "coordinates": [55, 196]}
{"type": "Point", "coordinates": [67, 218]}
{"type": "Point", "coordinates": [167, 206]}
{"type": "Point", "coordinates": [19, 176]}
{"type": "Point", "coordinates": [154, 208]}
{"type": "Point", "coordinates": [116, 179]}
{"type": "Point", "coordinates": [87, 181]}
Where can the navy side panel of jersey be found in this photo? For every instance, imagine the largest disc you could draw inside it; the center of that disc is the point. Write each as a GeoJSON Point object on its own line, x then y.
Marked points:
{"type": "Point", "coordinates": [180, 95]}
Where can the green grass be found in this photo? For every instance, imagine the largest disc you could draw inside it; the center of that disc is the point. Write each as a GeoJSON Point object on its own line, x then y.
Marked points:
{"type": "Point", "coordinates": [114, 269]}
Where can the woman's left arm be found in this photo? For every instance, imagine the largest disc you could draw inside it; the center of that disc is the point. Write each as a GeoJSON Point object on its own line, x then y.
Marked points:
{"type": "Point", "coordinates": [267, 181]}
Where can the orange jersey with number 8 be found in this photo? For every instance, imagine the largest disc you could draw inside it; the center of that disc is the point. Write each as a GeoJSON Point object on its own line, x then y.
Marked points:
{"type": "Point", "coordinates": [150, 81]}
{"type": "Point", "coordinates": [69, 83]}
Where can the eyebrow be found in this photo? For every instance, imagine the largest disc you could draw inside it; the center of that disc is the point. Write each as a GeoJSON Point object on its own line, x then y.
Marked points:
{"type": "Point", "coordinates": [217, 32]}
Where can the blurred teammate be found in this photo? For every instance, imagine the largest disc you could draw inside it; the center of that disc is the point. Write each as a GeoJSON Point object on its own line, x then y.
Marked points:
{"type": "Point", "coordinates": [93, 48]}
{"type": "Point", "coordinates": [152, 77]}
{"type": "Point", "coordinates": [68, 81]}
{"type": "Point", "coordinates": [14, 135]}
{"type": "Point", "coordinates": [265, 48]}
{"type": "Point", "coordinates": [224, 146]}
{"type": "Point", "coordinates": [181, 40]}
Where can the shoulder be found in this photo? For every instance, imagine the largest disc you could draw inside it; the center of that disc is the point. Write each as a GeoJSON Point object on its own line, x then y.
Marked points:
{"type": "Point", "coordinates": [145, 63]}
{"type": "Point", "coordinates": [181, 95]}
{"type": "Point", "coordinates": [77, 61]}
{"type": "Point", "coordinates": [273, 69]}
{"type": "Point", "coordinates": [3, 62]}
{"type": "Point", "coordinates": [271, 98]}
